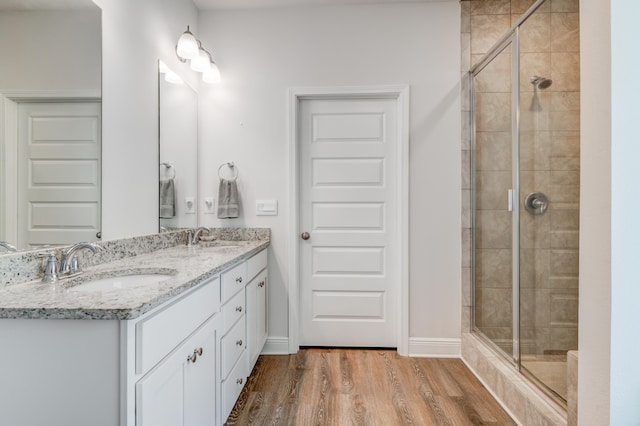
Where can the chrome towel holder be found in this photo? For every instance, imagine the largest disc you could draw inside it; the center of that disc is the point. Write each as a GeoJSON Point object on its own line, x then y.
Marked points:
{"type": "Point", "coordinates": [233, 169]}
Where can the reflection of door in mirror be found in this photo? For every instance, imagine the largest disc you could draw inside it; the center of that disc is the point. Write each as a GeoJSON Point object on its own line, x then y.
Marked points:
{"type": "Point", "coordinates": [178, 171]}
{"type": "Point", "coordinates": [58, 173]}
{"type": "Point", "coordinates": [54, 56]}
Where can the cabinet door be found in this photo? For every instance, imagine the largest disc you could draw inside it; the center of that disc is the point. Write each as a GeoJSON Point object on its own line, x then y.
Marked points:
{"type": "Point", "coordinates": [256, 317]}
{"type": "Point", "coordinates": [180, 390]}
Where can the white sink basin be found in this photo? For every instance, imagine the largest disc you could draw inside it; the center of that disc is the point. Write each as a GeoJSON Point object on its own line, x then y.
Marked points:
{"type": "Point", "coordinates": [120, 280]}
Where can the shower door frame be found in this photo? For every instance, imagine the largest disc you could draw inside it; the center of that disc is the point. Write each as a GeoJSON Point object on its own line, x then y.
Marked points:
{"type": "Point", "coordinates": [510, 38]}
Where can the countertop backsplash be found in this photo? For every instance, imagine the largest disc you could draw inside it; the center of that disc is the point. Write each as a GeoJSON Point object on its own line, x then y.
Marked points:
{"type": "Point", "coordinates": [27, 266]}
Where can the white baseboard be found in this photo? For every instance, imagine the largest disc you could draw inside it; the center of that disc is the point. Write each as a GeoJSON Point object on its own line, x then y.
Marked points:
{"type": "Point", "coordinates": [435, 348]}
{"type": "Point", "coordinates": [276, 346]}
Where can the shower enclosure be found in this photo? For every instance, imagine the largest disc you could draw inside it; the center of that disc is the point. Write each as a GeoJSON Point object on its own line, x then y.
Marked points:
{"type": "Point", "coordinates": [525, 94]}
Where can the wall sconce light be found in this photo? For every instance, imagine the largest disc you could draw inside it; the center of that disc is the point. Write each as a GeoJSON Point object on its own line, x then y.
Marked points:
{"type": "Point", "coordinates": [190, 48]}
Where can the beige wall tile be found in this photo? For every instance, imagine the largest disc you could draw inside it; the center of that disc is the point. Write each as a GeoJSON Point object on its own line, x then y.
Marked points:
{"type": "Point", "coordinates": [493, 151]}
{"type": "Point", "coordinates": [565, 144]}
{"type": "Point", "coordinates": [563, 338]}
{"type": "Point", "coordinates": [564, 194]}
{"type": "Point", "coordinates": [466, 248]}
{"type": "Point", "coordinates": [520, 6]}
{"type": "Point", "coordinates": [534, 267]}
{"type": "Point", "coordinates": [535, 151]}
{"type": "Point", "coordinates": [565, 163]}
{"type": "Point", "coordinates": [490, 7]}
{"type": "Point", "coordinates": [565, 101]}
{"type": "Point", "coordinates": [466, 208]}
{"type": "Point", "coordinates": [493, 268]}
{"type": "Point", "coordinates": [535, 32]}
{"type": "Point", "coordinates": [493, 112]}
{"type": "Point", "coordinates": [564, 220]}
{"type": "Point", "coordinates": [465, 47]}
{"type": "Point", "coordinates": [563, 282]}
{"type": "Point", "coordinates": [495, 77]}
{"type": "Point", "coordinates": [465, 94]}
{"type": "Point", "coordinates": [466, 169]}
{"type": "Point", "coordinates": [493, 229]}
{"type": "Point", "coordinates": [564, 120]}
{"type": "Point", "coordinates": [565, 5]}
{"type": "Point", "coordinates": [565, 178]}
{"type": "Point", "coordinates": [565, 71]}
{"type": "Point", "coordinates": [486, 30]}
{"type": "Point", "coordinates": [465, 16]}
{"type": "Point", "coordinates": [491, 190]}
{"type": "Point", "coordinates": [466, 287]}
{"type": "Point", "coordinates": [565, 239]}
{"type": "Point", "coordinates": [564, 263]}
{"type": "Point", "coordinates": [563, 310]}
{"type": "Point", "coordinates": [565, 32]}
{"type": "Point", "coordinates": [534, 230]}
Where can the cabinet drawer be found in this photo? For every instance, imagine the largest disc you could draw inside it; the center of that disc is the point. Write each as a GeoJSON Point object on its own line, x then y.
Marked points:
{"type": "Point", "coordinates": [157, 335]}
{"type": "Point", "coordinates": [256, 264]}
{"type": "Point", "coordinates": [233, 280]}
{"type": "Point", "coordinates": [231, 388]}
{"type": "Point", "coordinates": [231, 346]}
{"type": "Point", "coordinates": [233, 310]}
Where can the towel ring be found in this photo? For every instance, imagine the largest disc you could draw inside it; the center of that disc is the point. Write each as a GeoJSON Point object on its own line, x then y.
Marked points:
{"type": "Point", "coordinates": [231, 167]}
{"type": "Point", "coordinates": [169, 167]}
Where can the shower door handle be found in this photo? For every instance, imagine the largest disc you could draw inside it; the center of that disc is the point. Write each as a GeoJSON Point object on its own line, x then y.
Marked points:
{"type": "Point", "coordinates": [510, 200]}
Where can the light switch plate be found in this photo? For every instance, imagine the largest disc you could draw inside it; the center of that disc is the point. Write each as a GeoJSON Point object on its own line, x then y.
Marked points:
{"type": "Point", "coordinates": [266, 207]}
{"type": "Point", "coordinates": [209, 205]}
{"type": "Point", "coordinates": [189, 205]}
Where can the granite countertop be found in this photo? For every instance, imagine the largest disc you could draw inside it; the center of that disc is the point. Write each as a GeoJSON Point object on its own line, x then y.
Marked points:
{"type": "Point", "coordinates": [189, 266]}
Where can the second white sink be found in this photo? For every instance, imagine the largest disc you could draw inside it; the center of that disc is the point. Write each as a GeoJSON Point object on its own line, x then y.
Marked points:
{"type": "Point", "coordinates": [120, 280]}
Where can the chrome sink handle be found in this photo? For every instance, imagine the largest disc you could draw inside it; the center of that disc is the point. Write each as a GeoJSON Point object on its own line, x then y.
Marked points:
{"type": "Point", "coordinates": [69, 261]}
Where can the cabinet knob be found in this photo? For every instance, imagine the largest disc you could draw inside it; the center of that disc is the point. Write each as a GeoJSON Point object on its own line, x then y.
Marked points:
{"type": "Point", "coordinates": [239, 381]}
{"type": "Point", "coordinates": [261, 284]}
{"type": "Point", "coordinates": [305, 236]}
{"type": "Point", "coordinates": [238, 308]}
{"type": "Point", "coordinates": [239, 342]}
{"type": "Point", "coordinates": [196, 353]}
{"type": "Point", "coordinates": [239, 279]}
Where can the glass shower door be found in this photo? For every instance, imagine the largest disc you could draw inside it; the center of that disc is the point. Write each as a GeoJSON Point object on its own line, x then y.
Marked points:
{"type": "Point", "coordinates": [549, 203]}
{"type": "Point", "coordinates": [493, 178]}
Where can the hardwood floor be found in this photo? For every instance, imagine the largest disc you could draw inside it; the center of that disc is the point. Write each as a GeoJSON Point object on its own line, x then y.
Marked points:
{"type": "Point", "coordinates": [319, 386]}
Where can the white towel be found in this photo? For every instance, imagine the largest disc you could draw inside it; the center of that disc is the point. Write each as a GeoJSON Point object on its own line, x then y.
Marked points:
{"type": "Point", "coordinates": [167, 199]}
{"type": "Point", "coordinates": [228, 199]}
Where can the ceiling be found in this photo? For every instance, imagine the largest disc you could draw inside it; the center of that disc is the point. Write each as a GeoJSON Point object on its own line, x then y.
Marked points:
{"type": "Point", "coordinates": [8, 5]}
{"type": "Point", "coordinates": [256, 4]}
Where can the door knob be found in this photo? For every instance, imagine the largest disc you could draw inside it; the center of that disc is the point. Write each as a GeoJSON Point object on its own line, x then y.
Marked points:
{"type": "Point", "coordinates": [305, 236]}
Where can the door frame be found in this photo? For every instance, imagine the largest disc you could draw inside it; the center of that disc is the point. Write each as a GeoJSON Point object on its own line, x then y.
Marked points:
{"type": "Point", "coordinates": [9, 101]}
{"type": "Point", "coordinates": [399, 93]}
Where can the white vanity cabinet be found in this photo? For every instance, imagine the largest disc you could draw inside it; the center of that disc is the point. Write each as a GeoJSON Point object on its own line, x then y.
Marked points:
{"type": "Point", "coordinates": [180, 389]}
{"type": "Point", "coordinates": [256, 307]}
{"type": "Point", "coordinates": [244, 330]}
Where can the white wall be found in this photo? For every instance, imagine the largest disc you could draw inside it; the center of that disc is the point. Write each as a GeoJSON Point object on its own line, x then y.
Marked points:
{"type": "Point", "coordinates": [261, 53]}
{"type": "Point", "coordinates": [625, 213]}
{"type": "Point", "coordinates": [595, 218]}
{"type": "Point", "coordinates": [50, 50]}
{"type": "Point", "coordinates": [135, 35]}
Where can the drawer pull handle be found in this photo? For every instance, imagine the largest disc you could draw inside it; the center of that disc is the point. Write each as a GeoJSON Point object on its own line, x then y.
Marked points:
{"type": "Point", "coordinates": [261, 284]}
{"type": "Point", "coordinates": [238, 308]}
{"type": "Point", "coordinates": [239, 342]}
{"type": "Point", "coordinates": [239, 381]}
{"type": "Point", "coordinates": [239, 279]}
{"type": "Point", "coordinates": [194, 357]}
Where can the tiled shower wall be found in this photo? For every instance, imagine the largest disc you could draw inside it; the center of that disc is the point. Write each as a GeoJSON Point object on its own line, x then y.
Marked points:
{"type": "Point", "coordinates": [549, 163]}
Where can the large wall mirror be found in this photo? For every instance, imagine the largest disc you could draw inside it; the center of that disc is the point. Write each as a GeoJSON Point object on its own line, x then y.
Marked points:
{"type": "Point", "coordinates": [178, 171]}
{"type": "Point", "coordinates": [50, 110]}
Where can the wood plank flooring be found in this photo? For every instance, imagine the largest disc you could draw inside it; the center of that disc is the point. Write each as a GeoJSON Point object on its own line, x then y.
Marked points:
{"type": "Point", "coordinates": [368, 387]}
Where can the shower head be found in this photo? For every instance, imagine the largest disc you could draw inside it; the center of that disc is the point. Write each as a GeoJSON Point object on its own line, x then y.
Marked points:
{"type": "Point", "coordinates": [540, 82]}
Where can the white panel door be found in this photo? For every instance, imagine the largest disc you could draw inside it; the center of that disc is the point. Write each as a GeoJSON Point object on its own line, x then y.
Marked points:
{"type": "Point", "coordinates": [348, 184]}
{"type": "Point", "coordinates": [58, 173]}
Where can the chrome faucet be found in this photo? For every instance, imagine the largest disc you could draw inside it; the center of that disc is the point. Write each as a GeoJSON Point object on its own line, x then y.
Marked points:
{"type": "Point", "coordinates": [8, 246]}
{"type": "Point", "coordinates": [69, 261]}
{"type": "Point", "coordinates": [194, 236]}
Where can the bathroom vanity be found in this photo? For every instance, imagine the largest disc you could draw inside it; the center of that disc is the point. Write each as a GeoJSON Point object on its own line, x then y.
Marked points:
{"type": "Point", "coordinates": [104, 349]}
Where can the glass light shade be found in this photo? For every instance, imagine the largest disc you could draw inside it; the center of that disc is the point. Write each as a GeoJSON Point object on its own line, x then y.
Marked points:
{"type": "Point", "coordinates": [212, 75]}
{"type": "Point", "coordinates": [202, 62]}
{"type": "Point", "coordinates": [187, 47]}
{"type": "Point", "coordinates": [163, 68]}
